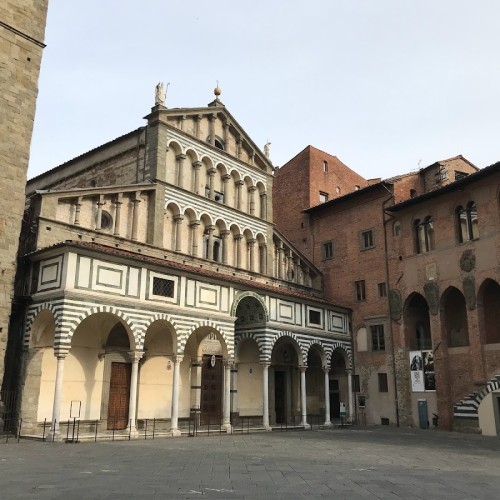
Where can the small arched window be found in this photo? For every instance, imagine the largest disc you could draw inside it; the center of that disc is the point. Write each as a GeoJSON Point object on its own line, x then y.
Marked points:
{"type": "Point", "coordinates": [396, 229]}
{"type": "Point", "coordinates": [424, 235]}
{"type": "Point", "coordinates": [466, 222]}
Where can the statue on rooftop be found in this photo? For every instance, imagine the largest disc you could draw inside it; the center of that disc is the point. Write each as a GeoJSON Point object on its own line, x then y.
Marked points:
{"type": "Point", "coordinates": [267, 148]}
{"type": "Point", "coordinates": [160, 94]}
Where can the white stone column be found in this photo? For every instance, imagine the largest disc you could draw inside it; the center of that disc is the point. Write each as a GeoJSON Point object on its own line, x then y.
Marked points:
{"type": "Point", "coordinates": [78, 206]}
{"type": "Point", "coordinates": [118, 209]}
{"type": "Point", "coordinates": [265, 395]}
{"type": "Point", "coordinates": [226, 410]}
{"type": "Point", "coordinates": [212, 119]}
{"type": "Point", "coordinates": [263, 206]}
{"type": "Point", "coordinates": [194, 237]}
{"type": "Point", "coordinates": [211, 178]}
{"type": "Point", "coordinates": [225, 180]}
{"type": "Point", "coordinates": [251, 254]}
{"type": "Point", "coordinates": [210, 230]}
{"type": "Point", "coordinates": [280, 260]}
{"type": "Point", "coordinates": [223, 236]}
{"type": "Point", "coordinates": [263, 258]}
{"type": "Point", "coordinates": [98, 221]}
{"type": "Point", "coordinates": [351, 395]}
{"type": "Point", "coordinates": [237, 241]}
{"type": "Point", "coordinates": [328, 422]}
{"type": "Point", "coordinates": [180, 169]}
{"type": "Point", "coordinates": [238, 185]}
{"type": "Point", "coordinates": [251, 193]}
{"type": "Point", "coordinates": [196, 182]}
{"type": "Point", "coordinates": [54, 433]}
{"type": "Point", "coordinates": [303, 399]}
{"type": "Point", "coordinates": [174, 418]}
{"type": "Point", "coordinates": [135, 215]}
{"type": "Point", "coordinates": [132, 405]}
{"type": "Point", "coordinates": [178, 226]}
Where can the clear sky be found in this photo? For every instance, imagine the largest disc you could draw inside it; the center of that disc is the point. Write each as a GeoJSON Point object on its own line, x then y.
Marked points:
{"type": "Point", "coordinates": [385, 85]}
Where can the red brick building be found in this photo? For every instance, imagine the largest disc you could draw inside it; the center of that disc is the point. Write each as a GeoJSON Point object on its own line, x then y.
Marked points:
{"type": "Point", "coordinates": [374, 248]}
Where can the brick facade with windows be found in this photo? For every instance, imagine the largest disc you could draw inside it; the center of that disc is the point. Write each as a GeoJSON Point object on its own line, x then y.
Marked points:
{"type": "Point", "coordinates": [431, 250]}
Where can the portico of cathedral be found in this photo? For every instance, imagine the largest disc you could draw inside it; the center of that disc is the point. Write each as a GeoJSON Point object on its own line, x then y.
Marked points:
{"type": "Point", "coordinates": [159, 286]}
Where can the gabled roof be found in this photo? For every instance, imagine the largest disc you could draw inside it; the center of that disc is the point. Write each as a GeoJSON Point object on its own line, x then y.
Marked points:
{"type": "Point", "coordinates": [453, 186]}
{"type": "Point", "coordinates": [449, 160]}
{"type": "Point", "coordinates": [220, 109]}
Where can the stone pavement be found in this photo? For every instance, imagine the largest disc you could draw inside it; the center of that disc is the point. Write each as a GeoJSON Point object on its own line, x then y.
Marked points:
{"type": "Point", "coordinates": [370, 462]}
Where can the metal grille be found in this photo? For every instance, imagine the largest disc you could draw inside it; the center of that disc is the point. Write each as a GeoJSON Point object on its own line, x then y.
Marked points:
{"type": "Point", "coordinates": [163, 287]}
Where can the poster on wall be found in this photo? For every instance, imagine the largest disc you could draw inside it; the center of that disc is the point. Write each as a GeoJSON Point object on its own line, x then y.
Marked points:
{"type": "Point", "coordinates": [417, 371]}
{"type": "Point", "coordinates": [429, 375]}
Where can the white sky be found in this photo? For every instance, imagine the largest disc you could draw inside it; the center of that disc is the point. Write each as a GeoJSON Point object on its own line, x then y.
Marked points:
{"type": "Point", "coordinates": [382, 84]}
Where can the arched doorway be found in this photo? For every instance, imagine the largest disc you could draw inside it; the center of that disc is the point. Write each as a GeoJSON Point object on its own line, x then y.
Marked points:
{"type": "Point", "coordinates": [454, 318]}
{"type": "Point", "coordinates": [212, 377]}
{"type": "Point", "coordinates": [284, 381]}
{"type": "Point", "coordinates": [207, 351]}
{"type": "Point", "coordinates": [489, 311]}
{"type": "Point", "coordinates": [315, 381]}
{"type": "Point", "coordinates": [338, 383]}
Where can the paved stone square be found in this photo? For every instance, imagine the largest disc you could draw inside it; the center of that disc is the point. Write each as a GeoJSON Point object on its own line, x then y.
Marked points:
{"type": "Point", "coordinates": [338, 463]}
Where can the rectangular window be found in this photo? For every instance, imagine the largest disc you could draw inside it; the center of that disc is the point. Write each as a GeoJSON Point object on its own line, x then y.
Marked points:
{"type": "Point", "coordinates": [360, 290]}
{"type": "Point", "coordinates": [163, 287]}
{"type": "Point", "coordinates": [323, 197]}
{"type": "Point", "coordinates": [314, 317]}
{"type": "Point", "coordinates": [367, 239]}
{"type": "Point", "coordinates": [382, 382]}
{"type": "Point", "coordinates": [355, 383]}
{"type": "Point", "coordinates": [460, 175]}
{"type": "Point", "coordinates": [378, 339]}
{"type": "Point", "coordinates": [327, 250]}
{"type": "Point", "coordinates": [382, 290]}
{"type": "Point", "coordinates": [325, 166]}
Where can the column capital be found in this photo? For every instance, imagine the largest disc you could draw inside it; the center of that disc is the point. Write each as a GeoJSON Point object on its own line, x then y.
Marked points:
{"type": "Point", "coordinates": [226, 177]}
{"type": "Point", "coordinates": [229, 363]}
{"type": "Point", "coordinates": [137, 197]}
{"type": "Point", "coordinates": [212, 116]}
{"type": "Point", "coordinates": [60, 355]}
{"type": "Point", "coordinates": [239, 183]}
{"type": "Point", "coordinates": [177, 358]}
{"type": "Point", "coordinates": [251, 242]}
{"type": "Point", "coordinates": [263, 194]}
{"type": "Point", "coordinates": [198, 117]}
{"type": "Point", "coordinates": [252, 189]}
{"type": "Point", "coordinates": [212, 171]}
{"type": "Point", "coordinates": [303, 368]}
{"type": "Point", "coordinates": [135, 356]}
{"type": "Point", "coordinates": [225, 234]}
{"type": "Point", "coordinates": [195, 223]}
{"type": "Point", "coordinates": [238, 237]}
{"type": "Point", "coordinates": [227, 124]}
{"type": "Point", "coordinates": [100, 200]}
{"type": "Point", "coordinates": [118, 199]}
{"type": "Point", "coordinates": [181, 157]}
{"type": "Point", "coordinates": [78, 200]}
{"type": "Point", "coordinates": [265, 364]}
{"type": "Point", "coordinates": [197, 164]}
{"type": "Point", "coordinates": [210, 229]}
{"type": "Point", "coordinates": [178, 218]}
{"type": "Point", "coordinates": [326, 370]}
{"type": "Point", "coordinates": [263, 245]}
{"type": "Point", "coordinates": [348, 371]}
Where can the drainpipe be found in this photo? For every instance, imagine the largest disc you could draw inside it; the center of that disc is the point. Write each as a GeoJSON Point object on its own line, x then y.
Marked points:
{"type": "Point", "coordinates": [389, 323]}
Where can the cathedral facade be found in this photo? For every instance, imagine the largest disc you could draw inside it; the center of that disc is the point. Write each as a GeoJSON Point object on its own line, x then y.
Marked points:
{"type": "Point", "coordinates": [157, 287]}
